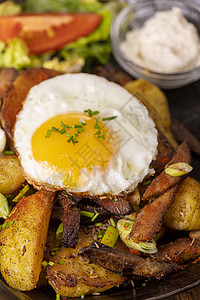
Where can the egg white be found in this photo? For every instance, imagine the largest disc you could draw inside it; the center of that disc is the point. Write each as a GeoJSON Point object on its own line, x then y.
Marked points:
{"type": "Point", "coordinates": [74, 93]}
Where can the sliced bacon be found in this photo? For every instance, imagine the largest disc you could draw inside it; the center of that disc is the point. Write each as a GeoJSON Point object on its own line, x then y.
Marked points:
{"type": "Point", "coordinates": [149, 220]}
{"type": "Point", "coordinates": [164, 181]}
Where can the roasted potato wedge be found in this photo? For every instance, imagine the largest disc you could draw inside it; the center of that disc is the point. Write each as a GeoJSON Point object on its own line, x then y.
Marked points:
{"type": "Point", "coordinates": [152, 97]}
{"type": "Point", "coordinates": [184, 213]}
{"type": "Point", "coordinates": [23, 240]}
{"type": "Point", "coordinates": [75, 276]}
{"type": "Point", "coordinates": [11, 176]}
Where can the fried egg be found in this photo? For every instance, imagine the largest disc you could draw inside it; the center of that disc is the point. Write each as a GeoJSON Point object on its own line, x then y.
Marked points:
{"type": "Point", "coordinates": [83, 133]}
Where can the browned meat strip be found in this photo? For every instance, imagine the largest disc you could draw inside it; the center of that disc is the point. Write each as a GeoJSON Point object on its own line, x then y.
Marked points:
{"type": "Point", "coordinates": [165, 152]}
{"type": "Point", "coordinates": [149, 220]}
{"type": "Point", "coordinates": [180, 251]}
{"type": "Point", "coordinates": [71, 221]}
{"type": "Point", "coordinates": [7, 76]}
{"type": "Point", "coordinates": [181, 134]}
{"type": "Point", "coordinates": [71, 225]}
{"type": "Point", "coordinates": [18, 91]}
{"type": "Point", "coordinates": [164, 181]}
{"type": "Point", "coordinates": [125, 263]}
{"type": "Point", "coordinates": [116, 205]}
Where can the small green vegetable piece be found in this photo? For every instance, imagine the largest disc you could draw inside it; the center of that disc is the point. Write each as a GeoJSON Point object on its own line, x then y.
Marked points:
{"type": "Point", "coordinates": [57, 296]}
{"type": "Point", "coordinates": [82, 296]}
{"type": "Point", "coordinates": [4, 207]}
{"type": "Point", "coordinates": [44, 263]}
{"type": "Point", "coordinates": [178, 169]}
{"type": "Point", "coordinates": [109, 118]}
{"type": "Point", "coordinates": [91, 113]}
{"type": "Point", "coordinates": [22, 193]}
{"type": "Point", "coordinates": [124, 228]}
{"type": "Point", "coordinates": [95, 217]}
{"type": "Point", "coordinates": [59, 231]}
{"type": "Point", "coordinates": [110, 237]}
{"type": "Point", "coordinates": [8, 152]}
{"type": "Point", "coordinates": [51, 263]}
{"type": "Point", "coordinates": [87, 214]}
{"type": "Point", "coordinates": [61, 262]}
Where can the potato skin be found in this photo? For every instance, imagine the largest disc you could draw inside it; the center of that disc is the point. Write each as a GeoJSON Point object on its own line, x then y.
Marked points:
{"type": "Point", "coordinates": [76, 276]}
{"type": "Point", "coordinates": [184, 213]}
{"type": "Point", "coordinates": [23, 242]}
{"type": "Point", "coordinates": [11, 176]}
{"type": "Point", "coordinates": [156, 102]}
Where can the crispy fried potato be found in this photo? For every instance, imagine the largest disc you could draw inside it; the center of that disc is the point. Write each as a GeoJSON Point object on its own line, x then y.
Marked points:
{"type": "Point", "coordinates": [76, 276]}
{"type": "Point", "coordinates": [184, 213]}
{"type": "Point", "coordinates": [23, 242]}
{"type": "Point", "coordinates": [152, 97]}
{"type": "Point", "coordinates": [11, 176]}
{"type": "Point", "coordinates": [18, 91]}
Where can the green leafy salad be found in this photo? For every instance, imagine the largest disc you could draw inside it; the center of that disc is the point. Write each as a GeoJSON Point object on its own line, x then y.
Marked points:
{"type": "Point", "coordinates": [72, 57]}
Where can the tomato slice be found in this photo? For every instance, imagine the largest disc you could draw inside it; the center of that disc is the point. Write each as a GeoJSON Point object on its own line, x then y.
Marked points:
{"type": "Point", "coordinates": [43, 32]}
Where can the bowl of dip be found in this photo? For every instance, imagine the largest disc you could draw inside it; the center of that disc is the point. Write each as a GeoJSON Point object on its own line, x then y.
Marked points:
{"type": "Point", "coordinates": [159, 40]}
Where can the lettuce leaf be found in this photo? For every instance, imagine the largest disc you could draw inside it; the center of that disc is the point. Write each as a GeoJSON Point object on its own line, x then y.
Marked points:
{"type": "Point", "coordinates": [61, 6]}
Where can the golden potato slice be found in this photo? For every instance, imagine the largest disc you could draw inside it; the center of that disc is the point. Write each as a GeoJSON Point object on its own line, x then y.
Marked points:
{"type": "Point", "coordinates": [156, 102]}
{"type": "Point", "coordinates": [71, 276]}
{"type": "Point", "coordinates": [184, 213]}
{"type": "Point", "coordinates": [23, 240]}
{"type": "Point", "coordinates": [11, 176]}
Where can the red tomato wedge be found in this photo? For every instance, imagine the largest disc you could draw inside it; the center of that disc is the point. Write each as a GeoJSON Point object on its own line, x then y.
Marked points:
{"type": "Point", "coordinates": [43, 32]}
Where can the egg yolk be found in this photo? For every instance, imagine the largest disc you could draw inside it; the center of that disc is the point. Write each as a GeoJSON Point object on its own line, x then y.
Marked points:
{"type": "Point", "coordinates": [69, 143]}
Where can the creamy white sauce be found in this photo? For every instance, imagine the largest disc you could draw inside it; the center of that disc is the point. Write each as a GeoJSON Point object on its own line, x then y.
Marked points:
{"type": "Point", "coordinates": [2, 140]}
{"type": "Point", "coordinates": [167, 43]}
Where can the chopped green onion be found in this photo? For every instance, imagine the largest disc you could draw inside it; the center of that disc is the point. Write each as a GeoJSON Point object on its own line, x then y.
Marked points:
{"type": "Point", "coordinates": [82, 296]}
{"type": "Point", "coordinates": [112, 221]}
{"type": "Point", "coordinates": [51, 263]}
{"type": "Point", "coordinates": [178, 169]}
{"type": "Point", "coordinates": [95, 217]}
{"type": "Point", "coordinates": [22, 193]}
{"type": "Point", "coordinates": [62, 131]}
{"type": "Point", "coordinates": [127, 225]}
{"type": "Point", "coordinates": [109, 118]}
{"type": "Point", "coordinates": [147, 182]}
{"type": "Point", "coordinates": [59, 231]}
{"type": "Point", "coordinates": [87, 214]}
{"type": "Point", "coordinates": [91, 113]}
{"type": "Point", "coordinates": [48, 133]}
{"type": "Point", "coordinates": [44, 263]}
{"type": "Point", "coordinates": [9, 152]}
{"type": "Point", "coordinates": [98, 224]}
{"type": "Point", "coordinates": [116, 199]}
{"type": "Point", "coordinates": [10, 196]}
{"type": "Point", "coordinates": [110, 237]}
{"type": "Point", "coordinates": [8, 224]}
{"type": "Point", "coordinates": [4, 207]}
{"type": "Point", "coordinates": [54, 249]}
{"type": "Point", "coordinates": [61, 262]}
{"type": "Point", "coordinates": [52, 253]}
{"type": "Point", "coordinates": [57, 296]}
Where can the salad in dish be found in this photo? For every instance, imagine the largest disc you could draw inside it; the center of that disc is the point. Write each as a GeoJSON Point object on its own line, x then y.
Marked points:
{"type": "Point", "coordinates": [63, 35]}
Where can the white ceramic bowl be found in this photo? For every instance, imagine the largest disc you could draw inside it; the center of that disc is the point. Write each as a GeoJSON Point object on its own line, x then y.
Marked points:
{"type": "Point", "coordinates": [134, 16]}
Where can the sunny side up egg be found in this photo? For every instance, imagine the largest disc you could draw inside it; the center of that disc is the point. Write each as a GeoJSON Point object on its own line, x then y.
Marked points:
{"type": "Point", "coordinates": [82, 133]}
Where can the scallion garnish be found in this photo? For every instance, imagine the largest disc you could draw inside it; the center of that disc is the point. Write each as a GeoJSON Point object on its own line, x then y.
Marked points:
{"type": "Point", "coordinates": [95, 217]}
{"type": "Point", "coordinates": [109, 118]}
{"type": "Point", "coordinates": [87, 214]}
{"type": "Point", "coordinates": [22, 193]}
{"type": "Point", "coordinates": [91, 113]}
{"type": "Point", "coordinates": [110, 237]}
